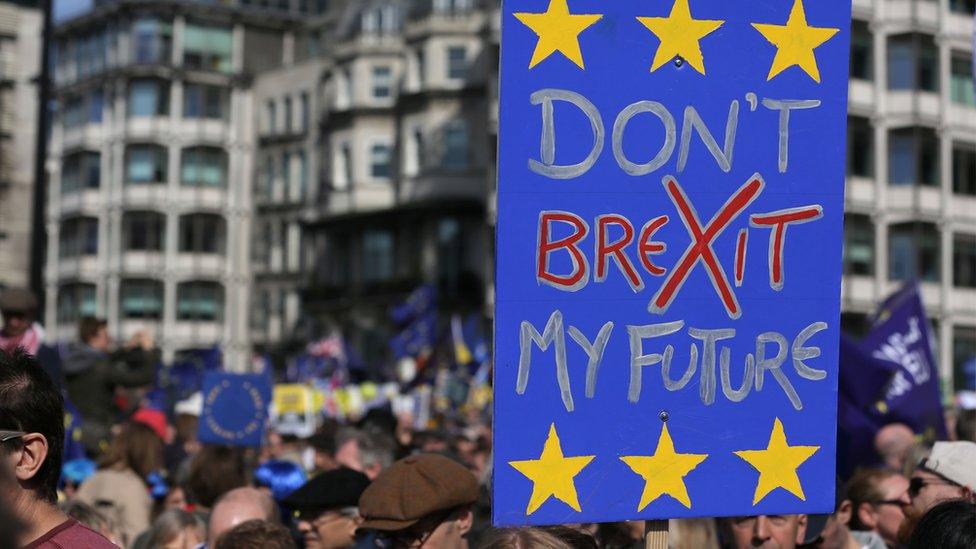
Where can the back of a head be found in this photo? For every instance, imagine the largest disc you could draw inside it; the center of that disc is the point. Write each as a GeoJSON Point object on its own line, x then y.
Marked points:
{"type": "Point", "coordinates": [168, 526]}
{"type": "Point", "coordinates": [30, 402]}
{"type": "Point", "coordinates": [137, 447]}
{"type": "Point", "coordinates": [255, 534]}
{"type": "Point", "coordinates": [551, 537]}
{"type": "Point", "coordinates": [88, 328]}
{"type": "Point", "coordinates": [215, 471]}
{"type": "Point", "coordinates": [948, 525]}
{"type": "Point", "coordinates": [238, 506]}
{"type": "Point", "coordinates": [86, 514]}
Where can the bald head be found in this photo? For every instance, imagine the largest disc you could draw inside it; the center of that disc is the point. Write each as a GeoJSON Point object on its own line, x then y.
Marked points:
{"type": "Point", "coordinates": [237, 506]}
{"type": "Point", "coordinates": [893, 442]}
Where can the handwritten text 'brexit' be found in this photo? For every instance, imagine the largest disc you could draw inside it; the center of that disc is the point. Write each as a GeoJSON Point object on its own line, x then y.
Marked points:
{"type": "Point", "coordinates": [607, 249]}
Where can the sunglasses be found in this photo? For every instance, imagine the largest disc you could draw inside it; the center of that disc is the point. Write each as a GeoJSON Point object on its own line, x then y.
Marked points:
{"type": "Point", "coordinates": [10, 435]}
{"type": "Point", "coordinates": [916, 484]}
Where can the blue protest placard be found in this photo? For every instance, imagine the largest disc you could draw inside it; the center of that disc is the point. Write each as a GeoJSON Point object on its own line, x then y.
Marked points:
{"type": "Point", "coordinates": [235, 408]}
{"type": "Point", "coordinates": [670, 210]}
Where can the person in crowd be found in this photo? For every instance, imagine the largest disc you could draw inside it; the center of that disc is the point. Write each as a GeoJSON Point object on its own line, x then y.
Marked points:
{"type": "Point", "coordinates": [256, 534]}
{"type": "Point", "coordinates": [175, 529]}
{"type": "Point", "coordinates": [892, 443]}
{"type": "Point", "coordinates": [214, 471]}
{"type": "Point", "coordinates": [119, 489]}
{"type": "Point", "coordinates": [31, 445]}
{"type": "Point", "coordinates": [878, 499]}
{"type": "Point", "coordinates": [92, 375]}
{"type": "Point", "coordinates": [326, 508]}
{"type": "Point", "coordinates": [90, 517]}
{"type": "Point", "coordinates": [18, 306]}
{"type": "Point", "coordinates": [691, 533]}
{"type": "Point", "coordinates": [833, 531]}
{"type": "Point", "coordinates": [621, 535]}
{"type": "Point", "coordinates": [237, 506]}
{"type": "Point", "coordinates": [948, 473]}
{"type": "Point", "coordinates": [369, 452]}
{"type": "Point", "coordinates": [425, 499]}
{"type": "Point", "coordinates": [323, 444]}
{"type": "Point", "coordinates": [966, 425]}
{"type": "Point", "coordinates": [550, 537]}
{"type": "Point", "coordinates": [767, 531]}
{"type": "Point", "coordinates": [948, 525]}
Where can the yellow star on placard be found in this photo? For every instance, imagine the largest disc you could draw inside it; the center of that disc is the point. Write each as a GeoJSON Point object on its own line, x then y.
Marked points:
{"type": "Point", "coordinates": [552, 474]}
{"type": "Point", "coordinates": [777, 464]}
{"type": "Point", "coordinates": [679, 35]}
{"type": "Point", "coordinates": [795, 42]}
{"type": "Point", "coordinates": [558, 30]}
{"type": "Point", "coordinates": [664, 472]}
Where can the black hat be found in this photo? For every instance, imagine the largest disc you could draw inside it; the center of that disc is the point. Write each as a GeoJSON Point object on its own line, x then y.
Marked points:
{"type": "Point", "coordinates": [17, 300]}
{"type": "Point", "coordinates": [333, 489]}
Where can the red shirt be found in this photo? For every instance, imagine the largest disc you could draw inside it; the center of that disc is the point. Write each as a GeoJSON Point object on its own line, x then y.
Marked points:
{"type": "Point", "coordinates": [71, 534]}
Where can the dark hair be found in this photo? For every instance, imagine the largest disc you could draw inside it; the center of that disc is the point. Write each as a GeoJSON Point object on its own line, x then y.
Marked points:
{"type": "Point", "coordinates": [88, 328]}
{"type": "Point", "coordinates": [948, 525]}
{"type": "Point", "coordinates": [214, 471]}
{"type": "Point", "coordinates": [136, 447]}
{"type": "Point", "coordinates": [863, 487]}
{"type": "Point", "coordinates": [256, 534]}
{"type": "Point", "coordinates": [966, 425]}
{"type": "Point", "coordinates": [29, 401]}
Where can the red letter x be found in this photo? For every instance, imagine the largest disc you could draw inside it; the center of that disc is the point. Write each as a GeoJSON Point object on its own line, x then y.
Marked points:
{"type": "Point", "coordinates": [701, 246]}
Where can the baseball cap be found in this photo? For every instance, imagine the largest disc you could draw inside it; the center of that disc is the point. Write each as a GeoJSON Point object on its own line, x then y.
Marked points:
{"type": "Point", "coordinates": [955, 461]}
{"type": "Point", "coordinates": [329, 490]}
{"type": "Point", "coordinates": [413, 488]}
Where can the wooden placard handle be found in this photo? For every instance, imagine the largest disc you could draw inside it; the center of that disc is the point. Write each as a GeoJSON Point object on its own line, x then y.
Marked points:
{"type": "Point", "coordinates": [656, 534]}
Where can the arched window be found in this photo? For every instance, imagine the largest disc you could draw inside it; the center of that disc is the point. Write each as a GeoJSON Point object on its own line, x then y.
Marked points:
{"type": "Point", "coordinates": [142, 298]}
{"type": "Point", "coordinates": [200, 301]}
{"type": "Point", "coordinates": [143, 231]}
{"type": "Point", "coordinates": [203, 167]}
{"type": "Point", "coordinates": [78, 236]}
{"type": "Point", "coordinates": [75, 300]}
{"type": "Point", "coordinates": [202, 233]}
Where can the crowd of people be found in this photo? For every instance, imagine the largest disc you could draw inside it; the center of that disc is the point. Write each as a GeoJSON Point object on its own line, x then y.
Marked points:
{"type": "Point", "coordinates": [147, 481]}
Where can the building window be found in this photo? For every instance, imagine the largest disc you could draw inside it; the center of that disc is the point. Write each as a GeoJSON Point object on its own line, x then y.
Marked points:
{"type": "Point", "coordinates": [152, 41]}
{"type": "Point", "coordinates": [288, 115]}
{"type": "Point", "coordinates": [78, 237]}
{"type": "Point", "coordinates": [450, 253]}
{"type": "Point", "coordinates": [203, 101]}
{"type": "Point", "coordinates": [379, 161]}
{"type": "Point", "coordinates": [964, 7]}
{"type": "Point", "coordinates": [964, 168]}
{"type": "Point", "coordinates": [858, 245]}
{"type": "Point", "coordinates": [272, 110]}
{"type": "Point", "coordinates": [80, 170]}
{"type": "Point", "coordinates": [961, 79]}
{"type": "Point", "coordinates": [862, 51]}
{"type": "Point", "coordinates": [913, 157]}
{"type": "Point", "coordinates": [377, 256]}
{"type": "Point", "coordinates": [145, 164]}
{"type": "Point", "coordinates": [964, 260]}
{"type": "Point", "coordinates": [202, 233]}
{"type": "Point", "coordinates": [420, 149]}
{"type": "Point", "coordinates": [268, 181]}
{"type": "Point", "coordinates": [200, 301]}
{"type": "Point", "coordinates": [96, 104]}
{"type": "Point", "coordinates": [76, 301]}
{"type": "Point", "coordinates": [259, 311]}
{"type": "Point", "coordinates": [913, 252]}
{"type": "Point", "coordinates": [913, 63]}
{"type": "Point", "coordinates": [342, 174]}
{"type": "Point", "coordinates": [142, 299]}
{"type": "Point", "coordinates": [148, 97]}
{"type": "Point", "coordinates": [203, 167]}
{"type": "Point", "coordinates": [73, 113]}
{"type": "Point", "coordinates": [455, 146]}
{"type": "Point", "coordinates": [302, 175]}
{"type": "Point", "coordinates": [963, 352]}
{"type": "Point", "coordinates": [144, 231]}
{"type": "Point", "coordinates": [304, 111]}
{"type": "Point", "coordinates": [860, 147]}
{"type": "Point", "coordinates": [382, 82]}
{"type": "Point", "coordinates": [457, 62]}
{"type": "Point", "coordinates": [285, 175]}
{"type": "Point", "coordinates": [208, 47]}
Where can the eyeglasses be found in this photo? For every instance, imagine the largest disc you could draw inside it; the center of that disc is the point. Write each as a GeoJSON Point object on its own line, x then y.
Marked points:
{"type": "Point", "coordinates": [916, 484]}
{"type": "Point", "coordinates": [10, 435]}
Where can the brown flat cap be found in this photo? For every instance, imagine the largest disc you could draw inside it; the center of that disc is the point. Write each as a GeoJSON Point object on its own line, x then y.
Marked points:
{"type": "Point", "coordinates": [18, 300]}
{"type": "Point", "coordinates": [414, 487]}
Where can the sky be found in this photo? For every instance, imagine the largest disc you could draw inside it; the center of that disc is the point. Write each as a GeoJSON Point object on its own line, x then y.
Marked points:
{"type": "Point", "coordinates": [66, 9]}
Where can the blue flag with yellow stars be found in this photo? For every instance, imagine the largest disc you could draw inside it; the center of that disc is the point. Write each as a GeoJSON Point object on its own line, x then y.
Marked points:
{"type": "Point", "coordinates": [235, 408]}
{"type": "Point", "coordinates": [670, 213]}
